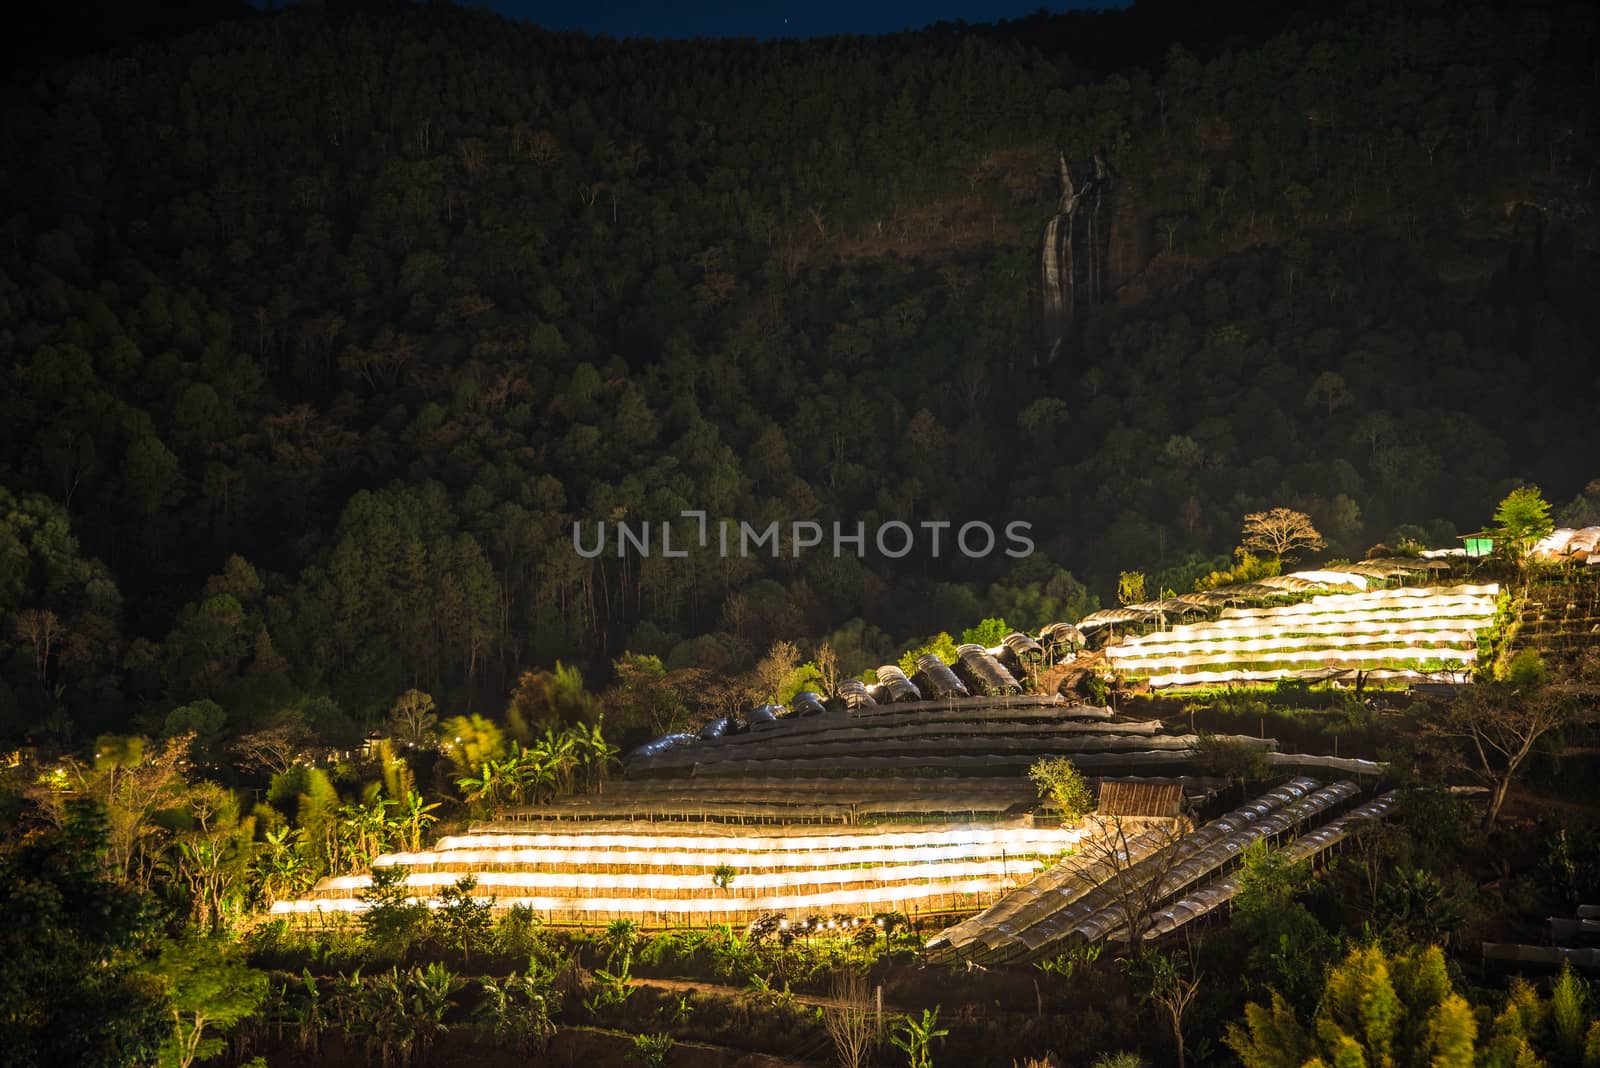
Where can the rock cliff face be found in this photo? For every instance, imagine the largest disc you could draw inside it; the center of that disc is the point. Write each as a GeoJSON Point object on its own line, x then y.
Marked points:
{"type": "Point", "coordinates": [1075, 254]}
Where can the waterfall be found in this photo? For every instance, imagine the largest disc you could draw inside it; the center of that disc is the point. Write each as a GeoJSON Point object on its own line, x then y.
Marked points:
{"type": "Point", "coordinates": [1050, 269]}
{"type": "Point", "coordinates": [1059, 266]}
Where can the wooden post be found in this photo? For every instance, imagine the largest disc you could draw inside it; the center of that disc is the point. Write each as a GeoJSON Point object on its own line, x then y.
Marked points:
{"type": "Point", "coordinates": [879, 1017]}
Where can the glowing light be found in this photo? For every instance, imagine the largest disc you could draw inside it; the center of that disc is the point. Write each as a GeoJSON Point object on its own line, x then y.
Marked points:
{"type": "Point", "coordinates": [654, 881]}
{"type": "Point", "coordinates": [1393, 627]}
{"type": "Point", "coordinates": [876, 895]}
{"type": "Point", "coordinates": [986, 836]}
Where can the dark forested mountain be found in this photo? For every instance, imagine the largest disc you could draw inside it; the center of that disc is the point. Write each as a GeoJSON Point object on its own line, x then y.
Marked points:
{"type": "Point", "coordinates": [320, 330]}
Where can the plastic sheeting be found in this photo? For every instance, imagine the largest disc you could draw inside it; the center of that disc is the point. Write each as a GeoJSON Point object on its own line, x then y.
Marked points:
{"type": "Point", "coordinates": [657, 746]}
{"type": "Point", "coordinates": [985, 672]}
{"type": "Point", "coordinates": [856, 695]}
{"type": "Point", "coordinates": [1212, 896]}
{"type": "Point", "coordinates": [938, 681]}
{"type": "Point", "coordinates": [763, 717]}
{"type": "Point", "coordinates": [1031, 919]}
{"type": "Point", "coordinates": [807, 703]}
{"type": "Point", "coordinates": [895, 686]}
{"type": "Point", "coordinates": [1057, 634]}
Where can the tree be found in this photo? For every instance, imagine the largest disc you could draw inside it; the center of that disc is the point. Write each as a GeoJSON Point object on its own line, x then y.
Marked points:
{"type": "Point", "coordinates": [988, 633]}
{"type": "Point", "coordinates": [549, 699]}
{"type": "Point", "coordinates": [1329, 389]}
{"type": "Point", "coordinates": [1376, 1009]}
{"type": "Point", "coordinates": [516, 1010]}
{"type": "Point", "coordinates": [645, 695]}
{"type": "Point", "coordinates": [1281, 532]}
{"type": "Point", "coordinates": [70, 935]}
{"type": "Point", "coordinates": [212, 855]}
{"type": "Point", "coordinates": [942, 646]}
{"type": "Point", "coordinates": [1247, 568]}
{"type": "Point", "coordinates": [134, 785]}
{"type": "Point", "coordinates": [775, 668]}
{"type": "Point", "coordinates": [1495, 727]}
{"type": "Point", "coordinates": [1522, 520]}
{"type": "Point", "coordinates": [1288, 946]}
{"type": "Point", "coordinates": [413, 717]}
{"type": "Point", "coordinates": [391, 919]}
{"type": "Point", "coordinates": [827, 665]}
{"type": "Point", "coordinates": [212, 989]}
{"type": "Point", "coordinates": [1059, 780]}
{"type": "Point", "coordinates": [1130, 588]}
{"type": "Point", "coordinates": [1132, 860]}
{"type": "Point", "coordinates": [848, 1018]}
{"type": "Point", "coordinates": [462, 916]}
{"type": "Point", "coordinates": [274, 749]}
{"type": "Point", "coordinates": [1173, 985]}
{"type": "Point", "coordinates": [42, 631]}
{"type": "Point", "coordinates": [471, 742]}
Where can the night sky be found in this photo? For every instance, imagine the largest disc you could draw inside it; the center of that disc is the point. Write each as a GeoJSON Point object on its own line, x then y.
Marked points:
{"type": "Point", "coordinates": [645, 18]}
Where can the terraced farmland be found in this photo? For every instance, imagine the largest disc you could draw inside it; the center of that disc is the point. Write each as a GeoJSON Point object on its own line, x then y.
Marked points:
{"type": "Point", "coordinates": [666, 878]}
{"type": "Point", "coordinates": [1409, 633]}
{"type": "Point", "coordinates": [946, 827]}
{"type": "Point", "coordinates": [920, 806]}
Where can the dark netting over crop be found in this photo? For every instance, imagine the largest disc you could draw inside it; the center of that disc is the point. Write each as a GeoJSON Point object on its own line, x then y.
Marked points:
{"type": "Point", "coordinates": [896, 687]}
{"type": "Point", "coordinates": [938, 681]}
{"type": "Point", "coordinates": [986, 674]}
{"type": "Point", "coordinates": [807, 703]}
{"type": "Point", "coordinates": [855, 694]}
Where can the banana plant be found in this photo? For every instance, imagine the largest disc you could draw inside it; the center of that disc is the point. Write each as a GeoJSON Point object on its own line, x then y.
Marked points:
{"type": "Point", "coordinates": [481, 791]}
{"type": "Point", "coordinates": [915, 1037]}
{"type": "Point", "coordinates": [283, 864]}
{"type": "Point", "coordinates": [414, 819]}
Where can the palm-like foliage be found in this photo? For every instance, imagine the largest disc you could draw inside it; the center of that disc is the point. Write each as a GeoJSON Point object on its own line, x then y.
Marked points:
{"type": "Point", "coordinates": [413, 818]}
{"type": "Point", "coordinates": [560, 752]}
{"type": "Point", "coordinates": [283, 864]}
{"type": "Point", "coordinates": [482, 791]}
{"type": "Point", "coordinates": [400, 1014]}
{"type": "Point", "coordinates": [915, 1036]}
{"type": "Point", "coordinates": [516, 1010]}
{"type": "Point", "coordinates": [557, 763]}
{"type": "Point", "coordinates": [364, 831]}
{"type": "Point", "coordinates": [619, 941]}
{"type": "Point", "coordinates": [596, 755]}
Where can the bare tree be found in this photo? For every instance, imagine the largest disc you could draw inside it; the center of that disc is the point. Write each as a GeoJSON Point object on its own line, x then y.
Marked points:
{"type": "Point", "coordinates": [1497, 726]}
{"type": "Point", "coordinates": [775, 668]}
{"type": "Point", "coordinates": [1174, 984]}
{"type": "Point", "coordinates": [273, 749]}
{"type": "Point", "coordinates": [1280, 531]}
{"type": "Point", "coordinates": [827, 662]}
{"type": "Point", "coordinates": [42, 630]}
{"type": "Point", "coordinates": [849, 1018]}
{"type": "Point", "coordinates": [1134, 858]}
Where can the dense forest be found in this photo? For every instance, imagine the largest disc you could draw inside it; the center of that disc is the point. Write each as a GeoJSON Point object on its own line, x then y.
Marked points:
{"type": "Point", "coordinates": [320, 329]}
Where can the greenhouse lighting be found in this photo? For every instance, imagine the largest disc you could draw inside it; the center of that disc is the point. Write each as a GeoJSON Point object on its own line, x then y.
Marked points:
{"type": "Point", "coordinates": [1006, 836]}
{"type": "Point", "coordinates": [698, 860]}
{"type": "Point", "coordinates": [543, 880]}
{"type": "Point", "coordinates": [876, 895]}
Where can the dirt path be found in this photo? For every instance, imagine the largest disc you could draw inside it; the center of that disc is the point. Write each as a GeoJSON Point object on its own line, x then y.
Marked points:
{"type": "Point", "coordinates": [727, 991]}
